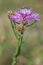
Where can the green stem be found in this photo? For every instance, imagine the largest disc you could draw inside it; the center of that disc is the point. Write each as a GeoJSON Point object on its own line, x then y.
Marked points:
{"type": "Point", "coordinates": [19, 46]}
{"type": "Point", "coordinates": [17, 54]}
{"type": "Point", "coordinates": [17, 34]}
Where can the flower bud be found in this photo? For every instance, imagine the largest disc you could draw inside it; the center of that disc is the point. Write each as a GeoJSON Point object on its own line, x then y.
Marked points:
{"type": "Point", "coordinates": [20, 28]}
{"type": "Point", "coordinates": [10, 13]}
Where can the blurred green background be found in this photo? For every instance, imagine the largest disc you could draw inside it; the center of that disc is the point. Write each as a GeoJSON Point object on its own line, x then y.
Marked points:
{"type": "Point", "coordinates": [32, 47]}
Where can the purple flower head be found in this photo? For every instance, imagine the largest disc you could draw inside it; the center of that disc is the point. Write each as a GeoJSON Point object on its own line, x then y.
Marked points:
{"type": "Point", "coordinates": [16, 17]}
{"type": "Point", "coordinates": [25, 15]}
{"type": "Point", "coordinates": [25, 11]}
{"type": "Point", "coordinates": [35, 16]}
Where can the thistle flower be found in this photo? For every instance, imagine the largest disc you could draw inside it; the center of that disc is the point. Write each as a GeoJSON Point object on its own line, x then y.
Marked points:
{"type": "Point", "coordinates": [24, 15]}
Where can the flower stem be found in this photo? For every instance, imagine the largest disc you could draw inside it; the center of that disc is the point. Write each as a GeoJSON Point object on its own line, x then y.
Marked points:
{"type": "Point", "coordinates": [17, 54]}
{"type": "Point", "coordinates": [17, 34]}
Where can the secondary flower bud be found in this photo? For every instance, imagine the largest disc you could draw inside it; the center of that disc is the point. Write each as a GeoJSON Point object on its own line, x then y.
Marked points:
{"type": "Point", "coordinates": [20, 27]}
{"type": "Point", "coordinates": [10, 14]}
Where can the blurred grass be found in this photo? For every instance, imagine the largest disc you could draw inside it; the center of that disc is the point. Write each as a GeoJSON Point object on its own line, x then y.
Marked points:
{"type": "Point", "coordinates": [32, 47]}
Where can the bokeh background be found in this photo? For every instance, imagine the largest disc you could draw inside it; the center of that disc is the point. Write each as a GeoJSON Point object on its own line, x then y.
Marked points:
{"type": "Point", "coordinates": [32, 47]}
